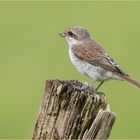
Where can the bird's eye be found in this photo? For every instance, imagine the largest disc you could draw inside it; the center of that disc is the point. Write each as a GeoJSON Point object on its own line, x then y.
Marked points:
{"type": "Point", "coordinates": [70, 33]}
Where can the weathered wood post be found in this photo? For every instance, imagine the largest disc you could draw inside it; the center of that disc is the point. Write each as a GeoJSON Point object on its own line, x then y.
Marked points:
{"type": "Point", "coordinates": [67, 113]}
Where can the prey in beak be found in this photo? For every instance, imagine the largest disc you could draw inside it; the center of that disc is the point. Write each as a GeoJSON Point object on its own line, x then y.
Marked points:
{"type": "Point", "coordinates": [63, 34]}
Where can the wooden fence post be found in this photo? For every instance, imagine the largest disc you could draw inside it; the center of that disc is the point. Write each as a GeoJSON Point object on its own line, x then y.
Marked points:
{"type": "Point", "coordinates": [66, 113]}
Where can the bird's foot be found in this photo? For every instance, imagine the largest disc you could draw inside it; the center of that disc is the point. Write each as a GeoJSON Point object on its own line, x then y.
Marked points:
{"type": "Point", "coordinates": [86, 86]}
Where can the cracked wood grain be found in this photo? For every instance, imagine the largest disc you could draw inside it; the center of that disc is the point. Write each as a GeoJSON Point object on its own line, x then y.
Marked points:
{"type": "Point", "coordinates": [66, 113]}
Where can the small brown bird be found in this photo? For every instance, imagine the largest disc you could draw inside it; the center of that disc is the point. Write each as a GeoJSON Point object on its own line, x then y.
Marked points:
{"type": "Point", "coordinates": [91, 59]}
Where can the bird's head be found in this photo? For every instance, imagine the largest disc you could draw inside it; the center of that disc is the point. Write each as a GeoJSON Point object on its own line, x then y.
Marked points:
{"type": "Point", "coordinates": [75, 35]}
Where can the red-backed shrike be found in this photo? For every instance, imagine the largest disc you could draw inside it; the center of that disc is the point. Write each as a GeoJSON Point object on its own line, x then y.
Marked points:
{"type": "Point", "coordinates": [91, 59]}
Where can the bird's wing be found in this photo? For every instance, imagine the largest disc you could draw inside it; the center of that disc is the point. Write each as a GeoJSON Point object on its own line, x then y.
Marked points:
{"type": "Point", "coordinates": [96, 55]}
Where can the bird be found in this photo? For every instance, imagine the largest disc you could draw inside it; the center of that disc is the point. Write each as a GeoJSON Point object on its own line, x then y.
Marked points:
{"type": "Point", "coordinates": [91, 59]}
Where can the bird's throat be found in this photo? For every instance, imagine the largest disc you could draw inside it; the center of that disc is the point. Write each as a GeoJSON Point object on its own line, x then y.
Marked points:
{"type": "Point", "coordinates": [72, 41]}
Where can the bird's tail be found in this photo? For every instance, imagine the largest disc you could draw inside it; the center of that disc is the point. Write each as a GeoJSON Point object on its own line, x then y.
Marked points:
{"type": "Point", "coordinates": [130, 80]}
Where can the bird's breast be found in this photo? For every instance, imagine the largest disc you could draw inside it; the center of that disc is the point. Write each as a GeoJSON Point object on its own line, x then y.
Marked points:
{"type": "Point", "coordinates": [93, 72]}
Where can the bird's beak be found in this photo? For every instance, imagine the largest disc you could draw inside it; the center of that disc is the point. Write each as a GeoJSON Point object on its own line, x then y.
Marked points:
{"type": "Point", "coordinates": [62, 34]}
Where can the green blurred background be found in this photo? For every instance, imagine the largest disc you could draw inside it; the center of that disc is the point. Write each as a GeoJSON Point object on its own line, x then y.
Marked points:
{"type": "Point", "coordinates": [31, 52]}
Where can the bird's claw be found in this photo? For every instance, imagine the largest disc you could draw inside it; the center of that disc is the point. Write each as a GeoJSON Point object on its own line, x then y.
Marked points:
{"type": "Point", "coordinates": [87, 87]}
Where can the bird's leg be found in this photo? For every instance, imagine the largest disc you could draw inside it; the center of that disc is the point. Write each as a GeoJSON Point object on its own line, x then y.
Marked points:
{"type": "Point", "coordinates": [85, 87]}
{"type": "Point", "coordinates": [99, 85]}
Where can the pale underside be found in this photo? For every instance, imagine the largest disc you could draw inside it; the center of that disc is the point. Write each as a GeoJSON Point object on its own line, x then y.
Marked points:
{"type": "Point", "coordinates": [95, 73]}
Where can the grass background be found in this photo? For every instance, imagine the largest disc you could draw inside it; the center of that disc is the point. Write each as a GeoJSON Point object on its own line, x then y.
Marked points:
{"type": "Point", "coordinates": [31, 52]}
